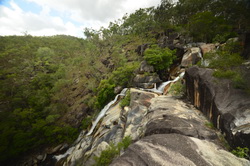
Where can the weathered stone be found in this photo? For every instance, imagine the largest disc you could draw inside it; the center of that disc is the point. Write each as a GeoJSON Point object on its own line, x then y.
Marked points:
{"type": "Point", "coordinates": [140, 49]}
{"type": "Point", "coordinates": [144, 67]}
{"type": "Point", "coordinates": [54, 150]}
{"type": "Point", "coordinates": [169, 115]}
{"type": "Point", "coordinates": [228, 108]}
{"type": "Point", "coordinates": [205, 48]}
{"type": "Point", "coordinates": [191, 57]}
{"type": "Point", "coordinates": [139, 78]}
{"type": "Point", "coordinates": [175, 149]}
{"type": "Point", "coordinates": [139, 97]}
{"type": "Point", "coordinates": [118, 89]}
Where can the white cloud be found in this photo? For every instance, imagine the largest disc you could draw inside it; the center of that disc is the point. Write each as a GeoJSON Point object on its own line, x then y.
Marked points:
{"type": "Point", "coordinates": [71, 15]}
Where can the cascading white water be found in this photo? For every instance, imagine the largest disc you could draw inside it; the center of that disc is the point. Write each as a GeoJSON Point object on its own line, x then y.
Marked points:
{"type": "Point", "coordinates": [160, 89]}
{"type": "Point", "coordinates": [105, 109]}
{"type": "Point", "coordinates": [100, 116]}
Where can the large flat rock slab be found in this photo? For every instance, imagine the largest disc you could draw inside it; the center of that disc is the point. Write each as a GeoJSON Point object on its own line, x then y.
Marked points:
{"type": "Point", "coordinates": [176, 150]}
{"type": "Point", "coordinates": [169, 115]}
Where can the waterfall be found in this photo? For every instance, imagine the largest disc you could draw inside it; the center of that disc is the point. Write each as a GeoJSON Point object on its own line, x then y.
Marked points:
{"type": "Point", "coordinates": [69, 151]}
{"type": "Point", "coordinates": [100, 116]}
{"type": "Point", "coordinates": [105, 109]}
{"type": "Point", "coordinates": [160, 89]}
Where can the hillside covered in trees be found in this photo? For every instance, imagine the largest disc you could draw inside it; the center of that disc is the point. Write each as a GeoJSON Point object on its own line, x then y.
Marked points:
{"type": "Point", "coordinates": [52, 87]}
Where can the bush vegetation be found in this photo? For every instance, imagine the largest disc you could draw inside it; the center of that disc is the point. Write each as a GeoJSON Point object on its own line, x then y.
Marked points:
{"type": "Point", "coordinates": [241, 152]}
{"type": "Point", "coordinates": [126, 100]}
{"type": "Point", "coordinates": [160, 58]}
{"type": "Point", "coordinates": [177, 88]}
{"type": "Point", "coordinates": [227, 62]}
{"type": "Point", "coordinates": [113, 151]}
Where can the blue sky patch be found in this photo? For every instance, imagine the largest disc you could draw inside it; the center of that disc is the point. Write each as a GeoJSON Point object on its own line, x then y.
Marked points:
{"type": "Point", "coordinates": [28, 6]}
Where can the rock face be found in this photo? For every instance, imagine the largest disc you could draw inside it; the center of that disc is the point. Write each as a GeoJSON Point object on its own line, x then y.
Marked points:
{"type": "Point", "coordinates": [146, 81]}
{"type": "Point", "coordinates": [146, 68]}
{"type": "Point", "coordinates": [226, 107]}
{"type": "Point", "coordinates": [140, 49]}
{"type": "Point", "coordinates": [174, 134]}
{"type": "Point", "coordinates": [168, 131]}
{"type": "Point", "coordinates": [205, 48]}
{"type": "Point", "coordinates": [191, 57]}
{"type": "Point", "coordinates": [176, 150]}
{"type": "Point", "coordinates": [146, 78]}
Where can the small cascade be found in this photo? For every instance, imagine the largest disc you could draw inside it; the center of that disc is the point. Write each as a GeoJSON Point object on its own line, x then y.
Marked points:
{"type": "Point", "coordinates": [69, 151]}
{"type": "Point", "coordinates": [100, 116]}
{"type": "Point", "coordinates": [160, 89]}
{"type": "Point", "coordinates": [105, 109]}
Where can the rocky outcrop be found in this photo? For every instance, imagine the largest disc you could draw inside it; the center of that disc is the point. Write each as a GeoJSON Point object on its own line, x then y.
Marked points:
{"type": "Point", "coordinates": [205, 48]}
{"type": "Point", "coordinates": [191, 57]}
{"type": "Point", "coordinates": [146, 81]}
{"type": "Point", "coordinates": [145, 68]}
{"type": "Point", "coordinates": [140, 49]}
{"type": "Point", "coordinates": [145, 77]}
{"type": "Point", "coordinates": [176, 150]}
{"type": "Point", "coordinates": [228, 108]}
{"type": "Point", "coordinates": [167, 131]}
{"type": "Point", "coordinates": [174, 133]}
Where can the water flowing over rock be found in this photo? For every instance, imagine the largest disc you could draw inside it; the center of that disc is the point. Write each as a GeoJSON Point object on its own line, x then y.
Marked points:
{"type": "Point", "coordinates": [104, 110]}
{"type": "Point", "coordinates": [169, 132]}
{"type": "Point", "coordinates": [228, 108]}
{"type": "Point", "coordinates": [165, 130]}
{"type": "Point", "coordinates": [174, 133]}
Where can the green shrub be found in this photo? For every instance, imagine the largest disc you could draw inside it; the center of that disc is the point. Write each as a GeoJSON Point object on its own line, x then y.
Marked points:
{"type": "Point", "coordinates": [107, 156]}
{"type": "Point", "coordinates": [120, 77]}
{"type": "Point", "coordinates": [227, 62]}
{"type": "Point", "coordinates": [209, 125]}
{"type": "Point", "coordinates": [224, 74]}
{"type": "Point", "coordinates": [125, 143]}
{"type": "Point", "coordinates": [177, 89]}
{"type": "Point", "coordinates": [86, 122]}
{"type": "Point", "coordinates": [160, 58]}
{"type": "Point", "coordinates": [113, 151]}
{"type": "Point", "coordinates": [126, 100]}
{"type": "Point", "coordinates": [105, 93]}
{"type": "Point", "coordinates": [239, 82]}
{"type": "Point", "coordinates": [241, 152]}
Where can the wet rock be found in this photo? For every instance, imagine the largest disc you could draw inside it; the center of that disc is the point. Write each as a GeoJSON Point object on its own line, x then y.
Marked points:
{"type": "Point", "coordinates": [228, 108]}
{"type": "Point", "coordinates": [191, 57]}
{"type": "Point", "coordinates": [175, 149]}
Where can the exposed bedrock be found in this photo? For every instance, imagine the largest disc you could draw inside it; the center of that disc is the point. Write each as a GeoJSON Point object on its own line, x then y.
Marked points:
{"type": "Point", "coordinates": [228, 108]}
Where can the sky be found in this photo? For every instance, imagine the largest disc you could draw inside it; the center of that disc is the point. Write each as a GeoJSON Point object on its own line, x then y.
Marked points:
{"type": "Point", "coordinates": [68, 17]}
